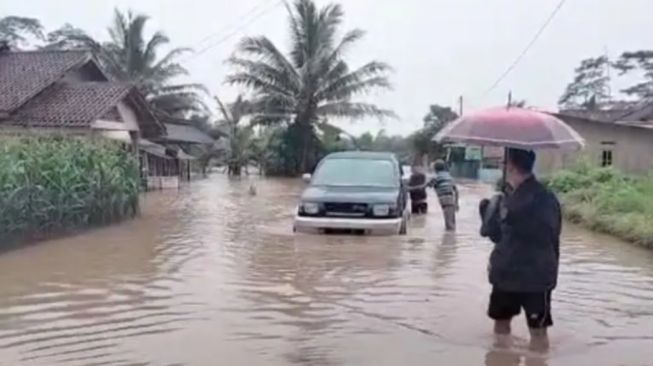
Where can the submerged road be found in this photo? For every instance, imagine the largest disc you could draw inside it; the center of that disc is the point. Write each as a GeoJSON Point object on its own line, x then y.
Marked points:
{"type": "Point", "coordinates": [213, 276]}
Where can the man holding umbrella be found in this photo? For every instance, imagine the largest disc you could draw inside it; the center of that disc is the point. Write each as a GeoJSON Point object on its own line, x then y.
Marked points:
{"type": "Point", "coordinates": [525, 221]}
{"type": "Point", "coordinates": [525, 227]}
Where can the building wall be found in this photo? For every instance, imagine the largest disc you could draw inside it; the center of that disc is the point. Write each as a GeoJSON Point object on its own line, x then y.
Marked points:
{"type": "Point", "coordinates": [631, 148]}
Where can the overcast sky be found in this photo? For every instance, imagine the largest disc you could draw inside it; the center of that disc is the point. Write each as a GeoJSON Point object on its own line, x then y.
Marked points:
{"type": "Point", "coordinates": [440, 49]}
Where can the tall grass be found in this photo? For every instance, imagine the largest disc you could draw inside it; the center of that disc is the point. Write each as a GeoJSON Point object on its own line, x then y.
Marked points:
{"type": "Point", "coordinates": [55, 184]}
{"type": "Point", "coordinates": [605, 200]}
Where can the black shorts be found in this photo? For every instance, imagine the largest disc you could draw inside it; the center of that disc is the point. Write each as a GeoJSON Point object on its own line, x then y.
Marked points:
{"type": "Point", "coordinates": [504, 305]}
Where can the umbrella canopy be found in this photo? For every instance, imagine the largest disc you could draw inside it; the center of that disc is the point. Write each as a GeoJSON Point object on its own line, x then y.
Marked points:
{"type": "Point", "coordinates": [512, 127]}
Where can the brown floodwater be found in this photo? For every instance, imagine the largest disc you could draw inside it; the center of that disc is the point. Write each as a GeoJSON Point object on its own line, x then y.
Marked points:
{"type": "Point", "coordinates": [210, 275]}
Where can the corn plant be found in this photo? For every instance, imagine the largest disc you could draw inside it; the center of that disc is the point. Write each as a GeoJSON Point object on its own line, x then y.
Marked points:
{"type": "Point", "coordinates": [55, 184]}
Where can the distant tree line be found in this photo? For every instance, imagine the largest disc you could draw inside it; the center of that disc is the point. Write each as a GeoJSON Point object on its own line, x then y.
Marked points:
{"type": "Point", "coordinates": [591, 87]}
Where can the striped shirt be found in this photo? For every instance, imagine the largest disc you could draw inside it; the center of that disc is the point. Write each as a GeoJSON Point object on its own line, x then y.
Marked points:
{"type": "Point", "coordinates": [445, 188]}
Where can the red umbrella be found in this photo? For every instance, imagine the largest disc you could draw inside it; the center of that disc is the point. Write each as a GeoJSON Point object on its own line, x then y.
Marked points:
{"type": "Point", "coordinates": [512, 127]}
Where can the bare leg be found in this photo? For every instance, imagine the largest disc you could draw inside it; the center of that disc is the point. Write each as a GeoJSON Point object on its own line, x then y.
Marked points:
{"type": "Point", "coordinates": [539, 339]}
{"type": "Point", "coordinates": [502, 338]}
{"type": "Point", "coordinates": [502, 327]}
{"type": "Point", "coordinates": [449, 217]}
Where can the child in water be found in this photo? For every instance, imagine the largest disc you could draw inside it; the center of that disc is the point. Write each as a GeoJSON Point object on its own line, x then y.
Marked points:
{"type": "Point", "coordinates": [417, 184]}
{"type": "Point", "coordinates": [447, 193]}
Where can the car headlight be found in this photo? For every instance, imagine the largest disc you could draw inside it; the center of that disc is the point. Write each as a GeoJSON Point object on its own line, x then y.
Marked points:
{"type": "Point", "coordinates": [311, 208]}
{"type": "Point", "coordinates": [381, 210]}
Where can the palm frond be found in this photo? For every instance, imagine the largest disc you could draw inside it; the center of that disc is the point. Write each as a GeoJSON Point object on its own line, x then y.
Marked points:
{"type": "Point", "coordinates": [170, 58]}
{"type": "Point", "coordinates": [332, 62]}
{"type": "Point", "coordinates": [223, 109]}
{"type": "Point", "coordinates": [353, 111]}
{"type": "Point", "coordinates": [258, 84]}
{"type": "Point", "coordinates": [185, 88]}
{"type": "Point", "coordinates": [264, 71]}
{"type": "Point", "coordinates": [367, 77]}
{"type": "Point", "coordinates": [118, 30]}
{"type": "Point", "coordinates": [264, 48]}
{"type": "Point", "coordinates": [149, 53]}
{"type": "Point", "coordinates": [135, 46]}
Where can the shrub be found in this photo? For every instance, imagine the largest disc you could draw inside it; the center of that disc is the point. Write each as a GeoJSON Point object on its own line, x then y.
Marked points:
{"type": "Point", "coordinates": [605, 200]}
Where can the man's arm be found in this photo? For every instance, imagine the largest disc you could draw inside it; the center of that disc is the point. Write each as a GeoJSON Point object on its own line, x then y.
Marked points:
{"type": "Point", "coordinates": [489, 210]}
{"type": "Point", "coordinates": [412, 185]}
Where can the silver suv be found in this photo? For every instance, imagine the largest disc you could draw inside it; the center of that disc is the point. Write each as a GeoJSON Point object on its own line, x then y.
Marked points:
{"type": "Point", "coordinates": [354, 191]}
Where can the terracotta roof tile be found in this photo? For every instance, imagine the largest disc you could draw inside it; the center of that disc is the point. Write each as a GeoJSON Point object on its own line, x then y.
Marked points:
{"type": "Point", "coordinates": [25, 74]}
{"type": "Point", "coordinates": [70, 104]}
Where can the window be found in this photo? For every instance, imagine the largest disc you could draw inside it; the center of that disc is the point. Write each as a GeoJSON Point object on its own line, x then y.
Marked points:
{"type": "Point", "coordinates": [606, 158]}
{"type": "Point", "coordinates": [356, 172]}
{"type": "Point", "coordinates": [606, 153]}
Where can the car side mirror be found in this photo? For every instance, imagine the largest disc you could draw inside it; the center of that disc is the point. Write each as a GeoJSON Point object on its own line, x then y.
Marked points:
{"type": "Point", "coordinates": [306, 177]}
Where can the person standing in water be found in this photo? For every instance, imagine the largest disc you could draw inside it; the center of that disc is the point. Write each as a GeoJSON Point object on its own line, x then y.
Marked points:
{"type": "Point", "coordinates": [447, 192]}
{"type": "Point", "coordinates": [417, 184]}
{"type": "Point", "coordinates": [525, 226]}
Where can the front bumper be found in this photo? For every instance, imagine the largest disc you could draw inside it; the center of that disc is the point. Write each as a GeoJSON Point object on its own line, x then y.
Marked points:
{"type": "Point", "coordinates": [313, 225]}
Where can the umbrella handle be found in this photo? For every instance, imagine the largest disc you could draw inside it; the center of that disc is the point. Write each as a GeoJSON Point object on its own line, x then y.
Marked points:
{"type": "Point", "coordinates": [504, 184]}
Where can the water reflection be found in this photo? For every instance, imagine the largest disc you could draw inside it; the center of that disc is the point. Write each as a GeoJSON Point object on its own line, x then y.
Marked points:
{"type": "Point", "coordinates": [214, 275]}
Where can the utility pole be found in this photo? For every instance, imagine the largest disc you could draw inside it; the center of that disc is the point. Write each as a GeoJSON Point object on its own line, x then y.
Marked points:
{"type": "Point", "coordinates": [510, 99]}
{"type": "Point", "coordinates": [460, 105]}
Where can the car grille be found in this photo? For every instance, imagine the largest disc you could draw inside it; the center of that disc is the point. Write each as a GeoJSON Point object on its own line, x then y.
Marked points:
{"type": "Point", "coordinates": [337, 209]}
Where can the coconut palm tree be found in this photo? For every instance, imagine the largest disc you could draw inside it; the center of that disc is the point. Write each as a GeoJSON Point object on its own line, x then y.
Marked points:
{"type": "Point", "coordinates": [313, 81]}
{"type": "Point", "coordinates": [129, 56]}
{"type": "Point", "coordinates": [239, 147]}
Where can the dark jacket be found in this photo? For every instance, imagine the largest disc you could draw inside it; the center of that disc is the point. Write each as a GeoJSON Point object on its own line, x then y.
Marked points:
{"type": "Point", "coordinates": [525, 226]}
{"type": "Point", "coordinates": [417, 187]}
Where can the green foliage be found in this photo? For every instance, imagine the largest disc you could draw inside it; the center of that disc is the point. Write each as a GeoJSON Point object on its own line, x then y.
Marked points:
{"type": "Point", "coordinates": [16, 31]}
{"type": "Point", "coordinates": [55, 184]}
{"type": "Point", "coordinates": [312, 82]}
{"type": "Point", "coordinates": [130, 56]}
{"type": "Point", "coordinates": [640, 62]}
{"type": "Point", "coordinates": [590, 87]}
{"type": "Point", "coordinates": [422, 140]}
{"type": "Point", "coordinates": [605, 200]}
{"type": "Point", "coordinates": [237, 151]}
{"type": "Point", "coordinates": [280, 157]}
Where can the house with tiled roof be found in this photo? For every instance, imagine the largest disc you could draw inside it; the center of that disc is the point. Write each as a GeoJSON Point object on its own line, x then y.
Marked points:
{"type": "Point", "coordinates": [66, 93]}
{"type": "Point", "coordinates": [620, 137]}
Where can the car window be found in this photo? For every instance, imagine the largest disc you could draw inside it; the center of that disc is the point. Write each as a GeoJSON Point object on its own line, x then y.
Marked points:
{"type": "Point", "coordinates": [356, 172]}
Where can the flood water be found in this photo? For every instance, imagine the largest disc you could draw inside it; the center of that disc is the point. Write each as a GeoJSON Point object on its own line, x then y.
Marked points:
{"type": "Point", "coordinates": [213, 276]}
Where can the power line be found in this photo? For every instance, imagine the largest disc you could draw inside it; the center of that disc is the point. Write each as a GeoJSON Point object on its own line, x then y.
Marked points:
{"type": "Point", "coordinates": [234, 32]}
{"type": "Point", "coordinates": [224, 29]}
{"type": "Point", "coordinates": [527, 48]}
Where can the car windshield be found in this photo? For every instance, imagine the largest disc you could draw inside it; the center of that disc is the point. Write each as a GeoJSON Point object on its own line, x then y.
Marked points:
{"type": "Point", "coordinates": [356, 172]}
